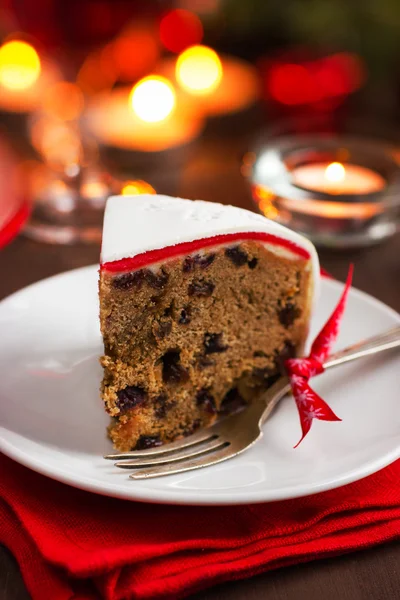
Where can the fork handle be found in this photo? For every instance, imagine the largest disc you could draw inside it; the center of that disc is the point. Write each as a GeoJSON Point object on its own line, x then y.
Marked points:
{"type": "Point", "coordinates": [379, 343]}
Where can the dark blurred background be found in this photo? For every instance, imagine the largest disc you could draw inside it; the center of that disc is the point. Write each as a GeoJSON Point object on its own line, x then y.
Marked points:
{"type": "Point", "coordinates": [271, 34]}
{"type": "Point", "coordinates": [302, 59]}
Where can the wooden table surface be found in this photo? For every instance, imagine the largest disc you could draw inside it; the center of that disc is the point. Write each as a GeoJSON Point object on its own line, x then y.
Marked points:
{"type": "Point", "coordinates": [213, 174]}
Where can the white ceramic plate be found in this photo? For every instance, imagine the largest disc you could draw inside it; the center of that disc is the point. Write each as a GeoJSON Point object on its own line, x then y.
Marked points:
{"type": "Point", "coordinates": [52, 419]}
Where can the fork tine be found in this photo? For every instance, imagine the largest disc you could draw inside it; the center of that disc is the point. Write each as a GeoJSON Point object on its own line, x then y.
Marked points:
{"type": "Point", "coordinates": [188, 452]}
{"type": "Point", "coordinates": [196, 438]}
{"type": "Point", "coordinates": [188, 465]}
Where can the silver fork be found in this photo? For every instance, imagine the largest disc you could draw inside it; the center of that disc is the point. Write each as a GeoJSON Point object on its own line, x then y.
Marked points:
{"type": "Point", "coordinates": [234, 434]}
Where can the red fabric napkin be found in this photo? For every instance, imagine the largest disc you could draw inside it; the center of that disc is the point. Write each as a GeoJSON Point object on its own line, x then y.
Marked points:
{"type": "Point", "coordinates": [73, 544]}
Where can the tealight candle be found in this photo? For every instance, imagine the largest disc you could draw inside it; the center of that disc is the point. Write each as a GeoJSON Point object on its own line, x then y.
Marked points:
{"type": "Point", "coordinates": [299, 181]}
{"type": "Point", "coordinates": [145, 119]}
{"type": "Point", "coordinates": [336, 178]}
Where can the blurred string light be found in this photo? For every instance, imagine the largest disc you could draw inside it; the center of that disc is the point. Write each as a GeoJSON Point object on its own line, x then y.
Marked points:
{"type": "Point", "coordinates": [19, 65]}
{"type": "Point", "coordinates": [180, 29]}
{"type": "Point", "coordinates": [329, 78]}
{"type": "Point", "coordinates": [136, 188]}
{"type": "Point", "coordinates": [199, 70]}
{"type": "Point", "coordinates": [152, 99]}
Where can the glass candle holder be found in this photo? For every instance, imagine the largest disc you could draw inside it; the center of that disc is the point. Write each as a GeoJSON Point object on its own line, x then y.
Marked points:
{"type": "Point", "coordinates": [339, 190]}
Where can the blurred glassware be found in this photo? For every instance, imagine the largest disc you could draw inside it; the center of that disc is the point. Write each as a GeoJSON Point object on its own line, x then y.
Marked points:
{"type": "Point", "coordinates": [67, 186]}
{"type": "Point", "coordinates": [340, 190]}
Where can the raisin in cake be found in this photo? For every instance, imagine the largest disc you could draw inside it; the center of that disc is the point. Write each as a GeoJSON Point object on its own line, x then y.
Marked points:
{"type": "Point", "coordinates": [199, 304]}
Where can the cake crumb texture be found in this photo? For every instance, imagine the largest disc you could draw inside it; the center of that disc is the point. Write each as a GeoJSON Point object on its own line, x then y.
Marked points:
{"type": "Point", "coordinates": [197, 336]}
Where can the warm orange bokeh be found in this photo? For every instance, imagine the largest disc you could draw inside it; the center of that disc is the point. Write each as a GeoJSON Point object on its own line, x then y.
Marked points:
{"type": "Point", "coordinates": [180, 29]}
{"type": "Point", "coordinates": [136, 188]}
{"type": "Point", "coordinates": [199, 70]}
{"type": "Point", "coordinates": [19, 65]}
{"type": "Point", "coordinates": [63, 100]}
{"type": "Point", "coordinates": [135, 53]}
{"type": "Point", "coordinates": [152, 99]}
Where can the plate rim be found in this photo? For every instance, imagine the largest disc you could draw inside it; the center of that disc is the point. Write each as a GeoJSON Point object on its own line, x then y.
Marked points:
{"type": "Point", "coordinates": [171, 496]}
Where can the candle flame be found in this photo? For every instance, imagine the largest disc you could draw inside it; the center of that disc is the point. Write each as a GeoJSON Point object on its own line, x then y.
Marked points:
{"type": "Point", "coordinates": [19, 65]}
{"type": "Point", "coordinates": [136, 188]}
{"type": "Point", "coordinates": [335, 172]}
{"type": "Point", "coordinates": [199, 70]}
{"type": "Point", "coordinates": [152, 99]}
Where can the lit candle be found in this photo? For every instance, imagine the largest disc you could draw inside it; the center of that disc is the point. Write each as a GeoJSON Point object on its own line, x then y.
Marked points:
{"type": "Point", "coordinates": [217, 85]}
{"type": "Point", "coordinates": [23, 77]}
{"type": "Point", "coordinates": [335, 178]}
{"type": "Point", "coordinates": [147, 118]}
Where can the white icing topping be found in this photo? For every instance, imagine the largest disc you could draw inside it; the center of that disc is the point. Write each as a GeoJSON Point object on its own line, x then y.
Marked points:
{"type": "Point", "coordinates": [136, 224]}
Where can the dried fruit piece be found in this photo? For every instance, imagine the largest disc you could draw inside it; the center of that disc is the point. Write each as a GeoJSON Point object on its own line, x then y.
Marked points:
{"type": "Point", "coordinates": [201, 287]}
{"type": "Point", "coordinates": [204, 261]}
{"type": "Point", "coordinates": [252, 263]}
{"type": "Point", "coordinates": [148, 441]}
{"type": "Point", "coordinates": [201, 260]}
{"type": "Point", "coordinates": [204, 361]}
{"type": "Point", "coordinates": [173, 371]}
{"type": "Point", "coordinates": [188, 264]}
{"type": "Point", "coordinates": [160, 406]}
{"type": "Point", "coordinates": [192, 428]}
{"type": "Point", "coordinates": [265, 377]}
{"type": "Point", "coordinates": [232, 402]}
{"type": "Point", "coordinates": [288, 351]}
{"type": "Point", "coordinates": [156, 280]}
{"type": "Point", "coordinates": [130, 397]}
{"type": "Point", "coordinates": [184, 317]}
{"type": "Point", "coordinates": [238, 256]}
{"type": "Point", "coordinates": [213, 343]}
{"type": "Point", "coordinates": [161, 329]}
{"type": "Point", "coordinates": [288, 314]}
{"type": "Point", "coordinates": [206, 401]}
{"type": "Point", "coordinates": [128, 280]}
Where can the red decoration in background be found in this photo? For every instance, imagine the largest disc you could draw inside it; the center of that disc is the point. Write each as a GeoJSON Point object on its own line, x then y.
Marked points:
{"type": "Point", "coordinates": [323, 83]}
{"type": "Point", "coordinates": [300, 370]}
{"type": "Point", "coordinates": [180, 29]}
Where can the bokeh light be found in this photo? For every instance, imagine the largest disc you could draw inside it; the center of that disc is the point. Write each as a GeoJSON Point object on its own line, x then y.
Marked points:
{"type": "Point", "coordinates": [335, 172]}
{"type": "Point", "coordinates": [135, 53]}
{"type": "Point", "coordinates": [199, 70]}
{"type": "Point", "coordinates": [97, 71]}
{"type": "Point", "coordinates": [63, 100]}
{"type": "Point", "coordinates": [19, 65]}
{"type": "Point", "coordinates": [152, 98]}
{"type": "Point", "coordinates": [292, 84]}
{"type": "Point", "coordinates": [324, 81]}
{"type": "Point", "coordinates": [136, 188]}
{"type": "Point", "coordinates": [180, 29]}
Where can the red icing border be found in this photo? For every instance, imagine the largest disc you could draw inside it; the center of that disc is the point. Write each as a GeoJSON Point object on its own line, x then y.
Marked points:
{"type": "Point", "coordinates": [154, 256]}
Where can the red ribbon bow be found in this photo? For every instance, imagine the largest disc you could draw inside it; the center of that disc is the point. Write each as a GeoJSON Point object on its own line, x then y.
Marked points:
{"type": "Point", "coordinates": [300, 370]}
